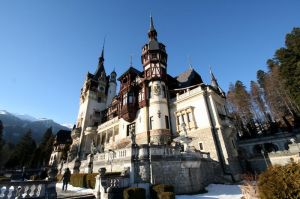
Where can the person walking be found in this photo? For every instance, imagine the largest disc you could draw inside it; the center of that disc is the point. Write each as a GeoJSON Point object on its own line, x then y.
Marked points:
{"type": "Point", "coordinates": [66, 179]}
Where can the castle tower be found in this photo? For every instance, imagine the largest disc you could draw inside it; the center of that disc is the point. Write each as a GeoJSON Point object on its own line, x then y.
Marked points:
{"type": "Point", "coordinates": [112, 87]}
{"type": "Point", "coordinates": [93, 99]}
{"type": "Point", "coordinates": [154, 60]}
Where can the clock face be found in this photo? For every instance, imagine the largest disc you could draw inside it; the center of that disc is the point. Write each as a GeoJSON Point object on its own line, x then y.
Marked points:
{"type": "Point", "coordinates": [156, 89]}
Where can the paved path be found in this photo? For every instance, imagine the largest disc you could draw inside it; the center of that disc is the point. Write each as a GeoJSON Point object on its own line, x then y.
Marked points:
{"type": "Point", "coordinates": [72, 193]}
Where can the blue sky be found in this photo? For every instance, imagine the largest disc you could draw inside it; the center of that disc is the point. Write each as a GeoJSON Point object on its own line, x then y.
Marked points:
{"type": "Point", "coordinates": [47, 47]}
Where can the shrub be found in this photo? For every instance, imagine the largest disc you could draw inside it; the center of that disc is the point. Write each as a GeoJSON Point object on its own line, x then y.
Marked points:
{"type": "Point", "coordinates": [280, 182]}
{"type": "Point", "coordinates": [34, 177]}
{"type": "Point", "coordinates": [166, 195]}
{"type": "Point", "coordinates": [4, 179]}
{"type": "Point", "coordinates": [159, 188]}
{"type": "Point", "coordinates": [134, 193]}
{"type": "Point", "coordinates": [91, 180]}
{"type": "Point", "coordinates": [78, 180]}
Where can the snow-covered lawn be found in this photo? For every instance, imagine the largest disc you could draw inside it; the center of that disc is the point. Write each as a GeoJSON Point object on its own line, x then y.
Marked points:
{"type": "Point", "coordinates": [74, 189]}
{"type": "Point", "coordinates": [217, 191]}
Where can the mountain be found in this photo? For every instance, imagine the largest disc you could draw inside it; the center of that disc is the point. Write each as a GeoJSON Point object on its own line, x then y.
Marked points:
{"type": "Point", "coordinates": [15, 125]}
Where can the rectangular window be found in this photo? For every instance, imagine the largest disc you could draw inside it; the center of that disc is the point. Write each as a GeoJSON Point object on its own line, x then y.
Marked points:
{"type": "Point", "coordinates": [182, 117]}
{"type": "Point", "coordinates": [149, 92]}
{"type": "Point", "coordinates": [189, 116]}
{"type": "Point", "coordinates": [164, 91]}
{"type": "Point", "coordinates": [153, 56]}
{"type": "Point", "coordinates": [130, 98]}
{"type": "Point", "coordinates": [130, 129]}
{"type": "Point", "coordinates": [200, 146]}
{"type": "Point", "coordinates": [125, 99]}
{"type": "Point", "coordinates": [151, 122]}
{"type": "Point", "coordinates": [97, 113]}
{"type": "Point", "coordinates": [167, 122]}
{"type": "Point", "coordinates": [141, 95]}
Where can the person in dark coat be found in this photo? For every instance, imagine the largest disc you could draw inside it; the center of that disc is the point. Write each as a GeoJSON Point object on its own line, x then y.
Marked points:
{"type": "Point", "coordinates": [66, 179]}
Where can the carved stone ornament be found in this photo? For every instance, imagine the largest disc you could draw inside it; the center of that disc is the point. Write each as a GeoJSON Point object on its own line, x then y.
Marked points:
{"type": "Point", "coordinates": [156, 89]}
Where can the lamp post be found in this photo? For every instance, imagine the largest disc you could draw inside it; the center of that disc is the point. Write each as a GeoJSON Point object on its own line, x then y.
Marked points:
{"type": "Point", "coordinates": [263, 154]}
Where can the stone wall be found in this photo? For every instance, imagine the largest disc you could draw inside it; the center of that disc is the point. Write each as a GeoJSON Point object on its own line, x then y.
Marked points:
{"type": "Point", "coordinates": [186, 176]}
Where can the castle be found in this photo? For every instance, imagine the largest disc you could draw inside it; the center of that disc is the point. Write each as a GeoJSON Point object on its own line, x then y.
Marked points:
{"type": "Point", "coordinates": [159, 128]}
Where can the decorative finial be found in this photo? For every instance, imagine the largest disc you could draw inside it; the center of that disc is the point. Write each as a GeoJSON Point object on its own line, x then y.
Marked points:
{"type": "Point", "coordinates": [190, 62]}
{"type": "Point", "coordinates": [102, 54]}
{"type": "Point", "coordinates": [211, 73]}
{"type": "Point", "coordinates": [151, 22]}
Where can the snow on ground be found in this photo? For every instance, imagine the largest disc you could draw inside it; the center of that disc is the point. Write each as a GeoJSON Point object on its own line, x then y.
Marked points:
{"type": "Point", "coordinates": [217, 191]}
{"type": "Point", "coordinates": [74, 189]}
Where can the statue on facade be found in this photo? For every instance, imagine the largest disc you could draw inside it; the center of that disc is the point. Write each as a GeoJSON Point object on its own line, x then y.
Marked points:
{"type": "Point", "coordinates": [93, 148]}
{"type": "Point", "coordinates": [133, 135]}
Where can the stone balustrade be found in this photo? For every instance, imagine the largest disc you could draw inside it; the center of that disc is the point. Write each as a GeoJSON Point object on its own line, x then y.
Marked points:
{"type": "Point", "coordinates": [28, 189]}
{"type": "Point", "coordinates": [105, 184]}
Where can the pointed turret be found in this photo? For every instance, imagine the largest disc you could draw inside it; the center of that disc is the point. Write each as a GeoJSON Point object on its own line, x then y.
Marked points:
{"type": "Point", "coordinates": [214, 82]}
{"type": "Point", "coordinates": [152, 34]}
{"type": "Point", "coordinates": [100, 69]}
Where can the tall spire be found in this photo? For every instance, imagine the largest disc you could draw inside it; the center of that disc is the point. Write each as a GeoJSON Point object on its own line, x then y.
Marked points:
{"type": "Point", "coordinates": [152, 34]}
{"type": "Point", "coordinates": [101, 58]}
{"type": "Point", "coordinates": [151, 23]}
{"type": "Point", "coordinates": [214, 82]}
{"type": "Point", "coordinates": [100, 69]}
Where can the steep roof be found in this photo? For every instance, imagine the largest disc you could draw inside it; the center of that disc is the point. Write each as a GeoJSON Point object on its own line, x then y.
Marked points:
{"type": "Point", "coordinates": [131, 70]}
{"type": "Point", "coordinates": [188, 78]}
{"type": "Point", "coordinates": [63, 137]}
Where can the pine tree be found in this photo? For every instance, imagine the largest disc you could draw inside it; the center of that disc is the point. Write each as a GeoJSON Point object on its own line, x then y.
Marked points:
{"type": "Point", "coordinates": [257, 97]}
{"type": "Point", "coordinates": [43, 152]}
{"type": "Point", "coordinates": [240, 107]}
{"type": "Point", "coordinates": [288, 59]}
{"type": "Point", "coordinates": [23, 152]}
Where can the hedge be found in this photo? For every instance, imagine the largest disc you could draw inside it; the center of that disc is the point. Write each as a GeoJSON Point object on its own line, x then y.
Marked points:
{"type": "Point", "coordinates": [91, 180]}
{"type": "Point", "coordinates": [83, 180]}
{"type": "Point", "coordinates": [280, 182]}
{"type": "Point", "coordinates": [160, 188]}
{"type": "Point", "coordinates": [134, 193]}
{"type": "Point", "coordinates": [78, 180]}
{"type": "Point", "coordinates": [166, 195]}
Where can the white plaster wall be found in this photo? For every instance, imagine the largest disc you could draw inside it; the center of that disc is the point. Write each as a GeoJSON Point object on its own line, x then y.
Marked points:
{"type": "Point", "coordinates": [200, 111]}
{"type": "Point", "coordinates": [158, 104]}
{"type": "Point", "coordinates": [111, 92]}
{"type": "Point", "coordinates": [141, 121]}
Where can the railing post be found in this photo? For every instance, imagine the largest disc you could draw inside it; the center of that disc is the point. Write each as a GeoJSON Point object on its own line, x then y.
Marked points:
{"type": "Point", "coordinates": [50, 187]}
{"type": "Point", "coordinates": [99, 189]}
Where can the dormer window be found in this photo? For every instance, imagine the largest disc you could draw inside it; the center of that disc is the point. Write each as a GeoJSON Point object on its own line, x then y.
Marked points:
{"type": "Point", "coordinates": [154, 56]}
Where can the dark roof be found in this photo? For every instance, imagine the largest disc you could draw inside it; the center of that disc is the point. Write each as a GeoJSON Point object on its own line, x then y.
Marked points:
{"type": "Point", "coordinates": [153, 45]}
{"type": "Point", "coordinates": [131, 70]}
{"type": "Point", "coordinates": [188, 78]}
{"type": "Point", "coordinates": [63, 137]}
